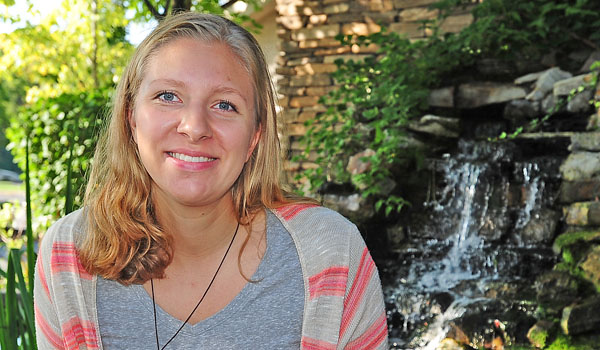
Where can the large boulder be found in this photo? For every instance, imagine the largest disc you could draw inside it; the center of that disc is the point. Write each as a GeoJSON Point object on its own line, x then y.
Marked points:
{"type": "Point", "coordinates": [541, 227]}
{"type": "Point", "coordinates": [581, 317]}
{"type": "Point", "coordinates": [591, 266]}
{"type": "Point", "coordinates": [555, 290]}
{"type": "Point", "coordinates": [545, 83]}
{"type": "Point", "coordinates": [581, 166]}
{"type": "Point", "coordinates": [437, 126]}
{"type": "Point", "coordinates": [473, 95]}
{"type": "Point", "coordinates": [585, 141]}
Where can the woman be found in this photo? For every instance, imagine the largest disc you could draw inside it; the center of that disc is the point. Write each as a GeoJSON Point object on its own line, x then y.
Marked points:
{"type": "Point", "coordinates": [186, 239]}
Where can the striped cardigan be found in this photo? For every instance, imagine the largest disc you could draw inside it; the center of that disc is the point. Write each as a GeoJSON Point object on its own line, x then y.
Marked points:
{"type": "Point", "coordinates": [343, 307]}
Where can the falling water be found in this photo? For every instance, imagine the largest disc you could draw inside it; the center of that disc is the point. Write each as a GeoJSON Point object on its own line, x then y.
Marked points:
{"type": "Point", "coordinates": [470, 242]}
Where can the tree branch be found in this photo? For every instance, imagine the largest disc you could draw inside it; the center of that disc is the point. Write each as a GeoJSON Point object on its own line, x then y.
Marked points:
{"type": "Point", "coordinates": [167, 7]}
{"type": "Point", "coordinates": [585, 41]}
{"type": "Point", "coordinates": [154, 11]}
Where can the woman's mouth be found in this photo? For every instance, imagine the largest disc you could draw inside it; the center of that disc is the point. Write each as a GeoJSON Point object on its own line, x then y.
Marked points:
{"type": "Point", "coordinates": [190, 159]}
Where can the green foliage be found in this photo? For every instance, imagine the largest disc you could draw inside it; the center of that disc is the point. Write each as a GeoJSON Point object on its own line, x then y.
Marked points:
{"type": "Point", "coordinates": [148, 10]}
{"type": "Point", "coordinates": [62, 132]}
{"type": "Point", "coordinates": [378, 96]}
{"type": "Point", "coordinates": [528, 29]}
{"type": "Point", "coordinates": [563, 342]}
{"type": "Point", "coordinates": [570, 238]}
{"type": "Point", "coordinates": [376, 99]}
{"type": "Point", "coordinates": [17, 325]}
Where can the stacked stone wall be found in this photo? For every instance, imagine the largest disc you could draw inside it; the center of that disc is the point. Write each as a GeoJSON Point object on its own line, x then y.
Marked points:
{"type": "Point", "coordinates": [307, 31]}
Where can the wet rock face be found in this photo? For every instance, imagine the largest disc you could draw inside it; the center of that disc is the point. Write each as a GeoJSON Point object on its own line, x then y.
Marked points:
{"type": "Point", "coordinates": [462, 258]}
{"type": "Point", "coordinates": [591, 266]}
{"type": "Point", "coordinates": [541, 227]}
{"type": "Point", "coordinates": [582, 317]}
{"type": "Point", "coordinates": [555, 290]}
{"type": "Point", "coordinates": [470, 252]}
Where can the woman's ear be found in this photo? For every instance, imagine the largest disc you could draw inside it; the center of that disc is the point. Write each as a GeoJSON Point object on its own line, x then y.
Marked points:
{"type": "Point", "coordinates": [132, 124]}
{"type": "Point", "coordinates": [254, 142]}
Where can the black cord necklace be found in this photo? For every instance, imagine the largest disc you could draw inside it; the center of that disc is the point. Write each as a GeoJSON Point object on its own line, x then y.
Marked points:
{"type": "Point", "coordinates": [199, 302]}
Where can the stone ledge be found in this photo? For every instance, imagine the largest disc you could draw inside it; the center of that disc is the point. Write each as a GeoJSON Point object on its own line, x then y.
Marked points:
{"type": "Point", "coordinates": [315, 68]}
{"type": "Point", "coordinates": [474, 95]}
{"type": "Point", "coordinates": [318, 32]}
{"type": "Point", "coordinates": [581, 166]}
{"type": "Point", "coordinates": [418, 14]}
{"type": "Point", "coordinates": [579, 191]}
{"type": "Point", "coordinates": [310, 80]}
{"type": "Point", "coordinates": [303, 101]}
{"type": "Point", "coordinates": [319, 43]}
{"type": "Point", "coordinates": [401, 4]}
{"type": "Point", "coordinates": [411, 29]}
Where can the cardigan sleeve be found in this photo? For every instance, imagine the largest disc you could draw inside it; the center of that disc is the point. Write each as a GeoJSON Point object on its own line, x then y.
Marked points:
{"type": "Point", "coordinates": [47, 324]}
{"type": "Point", "coordinates": [64, 293]}
{"type": "Point", "coordinates": [364, 322]}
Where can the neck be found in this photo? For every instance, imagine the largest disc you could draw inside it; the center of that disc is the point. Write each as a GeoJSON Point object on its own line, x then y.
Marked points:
{"type": "Point", "coordinates": [198, 232]}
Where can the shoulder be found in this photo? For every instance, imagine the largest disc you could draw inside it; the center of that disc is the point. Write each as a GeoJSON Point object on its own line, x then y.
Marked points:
{"type": "Point", "coordinates": [66, 231]}
{"type": "Point", "coordinates": [311, 219]}
{"type": "Point", "coordinates": [321, 234]}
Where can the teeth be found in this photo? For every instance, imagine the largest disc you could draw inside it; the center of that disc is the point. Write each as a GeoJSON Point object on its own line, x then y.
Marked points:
{"type": "Point", "coordinates": [191, 159]}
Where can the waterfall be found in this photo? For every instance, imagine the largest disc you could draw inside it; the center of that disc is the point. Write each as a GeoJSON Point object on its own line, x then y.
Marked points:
{"type": "Point", "coordinates": [470, 242]}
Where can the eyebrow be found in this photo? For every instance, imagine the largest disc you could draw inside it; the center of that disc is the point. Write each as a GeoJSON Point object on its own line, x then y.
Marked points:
{"type": "Point", "coordinates": [173, 82]}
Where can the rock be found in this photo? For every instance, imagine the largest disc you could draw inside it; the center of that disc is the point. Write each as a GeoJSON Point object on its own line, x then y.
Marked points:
{"type": "Point", "coordinates": [443, 97]}
{"type": "Point", "coordinates": [396, 236]}
{"type": "Point", "coordinates": [357, 164]}
{"type": "Point", "coordinates": [577, 213]}
{"type": "Point", "coordinates": [352, 206]}
{"type": "Point", "coordinates": [529, 78]}
{"type": "Point", "coordinates": [591, 266]}
{"type": "Point", "coordinates": [580, 103]}
{"type": "Point", "coordinates": [494, 67]}
{"type": "Point", "coordinates": [519, 111]}
{"type": "Point", "coordinates": [555, 290]}
{"type": "Point", "coordinates": [582, 317]}
{"type": "Point", "coordinates": [585, 141]}
{"type": "Point", "coordinates": [564, 87]}
{"type": "Point", "coordinates": [473, 95]}
{"type": "Point", "coordinates": [545, 83]}
{"type": "Point", "coordinates": [581, 166]}
{"type": "Point", "coordinates": [437, 126]}
{"type": "Point", "coordinates": [386, 186]}
{"type": "Point", "coordinates": [449, 344]}
{"type": "Point", "coordinates": [593, 122]}
{"type": "Point", "coordinates": [587, 66]}
{"type": "Point", "coordinates": [538, 334]}
{"type": "Point", "coordinates": [541, 227]}
{"type": "Point", "coordinates": [578, 57]}
{"type": "Point", "coordinates": [549, 104]}
{"type": "Point", "coordinates": [571, 238]}
{"type": "Point", "coordinates": [580, 190]}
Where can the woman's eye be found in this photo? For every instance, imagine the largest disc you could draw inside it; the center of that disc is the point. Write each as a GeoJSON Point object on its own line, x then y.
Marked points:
{"type": "Point", "coordinates": [168, 97]}
{"type": "Point", "coordinates": [225, 106]}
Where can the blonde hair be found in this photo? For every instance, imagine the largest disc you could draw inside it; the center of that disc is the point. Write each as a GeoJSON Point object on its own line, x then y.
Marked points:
{"type": "Point", "coordinates": [124, 241]}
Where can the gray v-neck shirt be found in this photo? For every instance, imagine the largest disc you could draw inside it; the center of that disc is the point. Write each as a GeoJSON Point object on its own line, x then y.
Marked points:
{"type": "Point", "coordinates": [265, 315]}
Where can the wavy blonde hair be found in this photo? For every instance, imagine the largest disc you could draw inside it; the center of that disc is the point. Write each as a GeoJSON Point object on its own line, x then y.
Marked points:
{"type": "Point", "coordinates": [124, 241]}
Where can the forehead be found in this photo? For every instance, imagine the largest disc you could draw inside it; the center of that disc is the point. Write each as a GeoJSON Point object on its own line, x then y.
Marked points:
{"type": "Point", "coordinates": [196, 62]}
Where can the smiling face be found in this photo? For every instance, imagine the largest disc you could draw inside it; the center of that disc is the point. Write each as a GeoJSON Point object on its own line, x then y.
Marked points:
{"type": "Point", "coordinates": [193, 122]}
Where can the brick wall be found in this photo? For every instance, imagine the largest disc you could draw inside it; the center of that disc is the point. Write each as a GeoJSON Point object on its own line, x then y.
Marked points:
{"type": "Point", "coordinates": [308, 49]}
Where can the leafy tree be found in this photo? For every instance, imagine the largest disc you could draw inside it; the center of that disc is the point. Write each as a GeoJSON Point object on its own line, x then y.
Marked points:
{"type": "Point", "coordinates": [58, 76]}
{"type": "Point", "coordinates": [147, 10]}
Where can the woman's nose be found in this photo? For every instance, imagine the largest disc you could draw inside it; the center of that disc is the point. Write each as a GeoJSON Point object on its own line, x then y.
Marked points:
{"type": "Point", "coordinates": [195, 124]}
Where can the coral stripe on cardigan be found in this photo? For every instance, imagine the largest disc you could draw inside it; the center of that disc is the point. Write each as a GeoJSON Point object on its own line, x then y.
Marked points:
{"type": "Point", "coordinates": [343, 306]}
